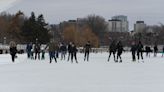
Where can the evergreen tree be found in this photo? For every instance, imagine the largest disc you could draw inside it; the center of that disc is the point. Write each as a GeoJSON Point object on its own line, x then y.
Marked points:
{"type": "Point", "coordinates": [35, 28]}
{"type": "Point", "coordinates": [42, 30]}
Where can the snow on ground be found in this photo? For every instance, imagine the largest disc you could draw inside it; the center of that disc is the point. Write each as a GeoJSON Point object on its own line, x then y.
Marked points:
{"type": "Point", "coordinates": [98, 75]}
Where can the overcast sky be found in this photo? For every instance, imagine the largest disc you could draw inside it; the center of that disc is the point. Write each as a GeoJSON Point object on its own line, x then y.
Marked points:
{"type": "Point", "coordinates": [55, 11]}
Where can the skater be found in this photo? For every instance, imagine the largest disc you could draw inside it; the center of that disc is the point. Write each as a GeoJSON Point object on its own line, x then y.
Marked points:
{"type": "Point", "coordinates": [119, 51]}
{"type": "Point", "coordinates": [43, 54]}
{"type": "Point", "coordinates": [155, 50]}
{"type": "Point", "coordinates": [57, 50]}
{"type": "Point", "coordinates": [140, 50]}
{"type": "Point", "coordinates": [133, 50]}
{"type": "Point", "coordinates": [69, 50]}
{"type": "Point", "coordinates": [37, 50]}
{"type": "Point", "coordinates": [13, 50]}
{"type": "Point", "coordinates": [52, 50]}
{"type": "Point", "coordinates": [63, 50]}
{"type": "Point", "coordinates": [87, 49]}
{"type": "Point", "coordinates": [73, 51]}
{"type": "Point", "coordinates": [112, 49]}
{"type": "Point", "coordinates": [32, 53]}
{"type": "Point", "coordinates": [28, 50]}
{"type": "Point", "coordinates": [148, 51]}
{"type": "Point", "coordinates": [163, 52]}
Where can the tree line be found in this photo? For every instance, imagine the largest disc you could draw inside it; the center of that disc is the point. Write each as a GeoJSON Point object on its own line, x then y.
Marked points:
{"type": "Point", "coordinates": [23, 29]}
{"type": "Point", "coordinates": [93, 28]}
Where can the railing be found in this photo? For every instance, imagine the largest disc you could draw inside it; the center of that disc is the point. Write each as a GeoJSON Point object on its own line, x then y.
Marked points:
{"type": "Point", "coordinates": [22, 48]}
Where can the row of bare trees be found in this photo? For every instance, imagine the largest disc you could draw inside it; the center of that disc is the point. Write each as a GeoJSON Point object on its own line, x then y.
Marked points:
{"type": "Point", "coordinates": [80, 37]}
{"type": "Point", "coordinates": [151, 35]}
{"type": "Point", "coordinates": [10, 26]}
{"type": "Point", "coordinates": [92, 28]}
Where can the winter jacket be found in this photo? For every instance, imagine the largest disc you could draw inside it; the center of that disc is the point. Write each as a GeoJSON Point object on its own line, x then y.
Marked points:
{"type": "Point", "coordinates": [69, 48]}
{"type": "Point", "coordinates": [73, 49]}
{"type": "Point", "coordinates": [87, 47]}
{"type": "Point", "coordinates": [29, 47]}
{"type": "Point", "coordinates": [155, 49]}
{"type": "Point", "coordinates": [112, 47]}
{"type": "Point", "coordinates": [37, 48]}
{"type": "Point", "coordinates": [139, 47]}
{"type": "Point", "coordinates": [63, 48]}
{"type": "Point", "coordinates": [133, 48]}
{"type": "Point", "coordinates": [13, 50]}
{"type": "Point", "coordinates": [52, 47]}
{"type": "Point", "coordinates": [119, 48]}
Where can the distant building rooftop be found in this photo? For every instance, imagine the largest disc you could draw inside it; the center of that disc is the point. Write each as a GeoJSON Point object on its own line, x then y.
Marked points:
{"type": "Point", "coordinates": [72, 21]}
{"type": "Point", "coordinates": [114, 20]}
{"type": "Point", "coordinates": [139, 21]}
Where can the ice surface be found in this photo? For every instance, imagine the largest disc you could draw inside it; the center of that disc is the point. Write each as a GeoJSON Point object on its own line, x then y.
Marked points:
{"type": "Point", "coordinates": [98, 75]}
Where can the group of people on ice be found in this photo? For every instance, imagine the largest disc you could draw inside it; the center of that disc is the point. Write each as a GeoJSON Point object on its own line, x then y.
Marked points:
{"type": "Point", "coordinates": [137, 49]}
{"type": "Point", "coordinates": [37, 51]}
{"type": "Point", "coordinates": [116, 48]}
{"type": "Point", "coordinates": [54, 49]}
{"type": "Point", "coordinates": [72, 50]}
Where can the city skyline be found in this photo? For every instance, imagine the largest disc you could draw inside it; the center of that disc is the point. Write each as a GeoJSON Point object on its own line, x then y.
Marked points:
{"type": "Point", "coordinates": [56, 11]}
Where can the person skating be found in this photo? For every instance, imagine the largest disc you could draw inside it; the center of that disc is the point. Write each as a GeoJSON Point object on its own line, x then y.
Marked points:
{"type": "Point", "coordinates": [32, 53]}
{"type": "Point", "coordinates": [52, 50]}
{"type": "Point", "coordinates": [13, 50]}
{"type": "Point", "coordinates": [37, 50]}
{"type": "Point", "coordinates": [155, 50]}
{"type": "Point", "coordinates": [57, 50]}
{"type": "Point", "coordinates": [87, 49]}
{"type": "Point", "coordinates": [119, 51]}
{"type": "Point", "coordinates": [63, 50]}
{"type": "Point", "coordinates": [112, 49]}
{"type": "Point", "coordinates": [140, 50]}
{"type": "Point", "coordinates": [148, 50]}
{"type": "Point", "coordinates": [69, 50]}
{"type": "Point", "coordinates": [28, 50]}
{"type": "Point", "coordinates": [42, 54]}
{"type": "Point", "coordinates": [163, 51]}
{"type": "Point", "coordinates": [133, 50]}
{"type": "Point", "coordinates": [73, 51]}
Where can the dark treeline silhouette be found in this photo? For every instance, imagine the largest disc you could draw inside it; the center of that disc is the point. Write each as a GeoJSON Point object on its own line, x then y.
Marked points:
{"type": "Point", "coordinates": [22, 29]}
{"type": "Point", "coordinates": [151, 35]}
{"type": "Point", "coordinates": [93, 28]}
{"type": "Point", "coordinates": [35, 28]}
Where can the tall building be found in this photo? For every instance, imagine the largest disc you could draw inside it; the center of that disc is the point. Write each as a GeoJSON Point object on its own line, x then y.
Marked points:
{"type": "Point", "coordinates": [120, 17]}
{"type": "Point", "coordinates": [118, 24]}
{"type": "Point", "coordinates": [139, 26]}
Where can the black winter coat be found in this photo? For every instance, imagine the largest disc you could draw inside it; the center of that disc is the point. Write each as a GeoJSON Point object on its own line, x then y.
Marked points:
{"type": "Point", "coordinates": [73, 49]}
{"type": "Point", "coordinates": [119, 48]}
{"type": "Point", "coordinates": [140, 48]}
{"type": "Point", "coordinates": [155, 49]}
{"type": "Point", "coordinates": [112, 47]}
{"type": "Point", "coordinates": [69, 48]}
{"type": "Point", "coordinates": [63, 48]}
{"type": "Point", "coordinates": [13, 50]}
{"type": "Point", "coordinates": [87, 47]}
{"type": "Point", "coordinates": [133, 48]}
